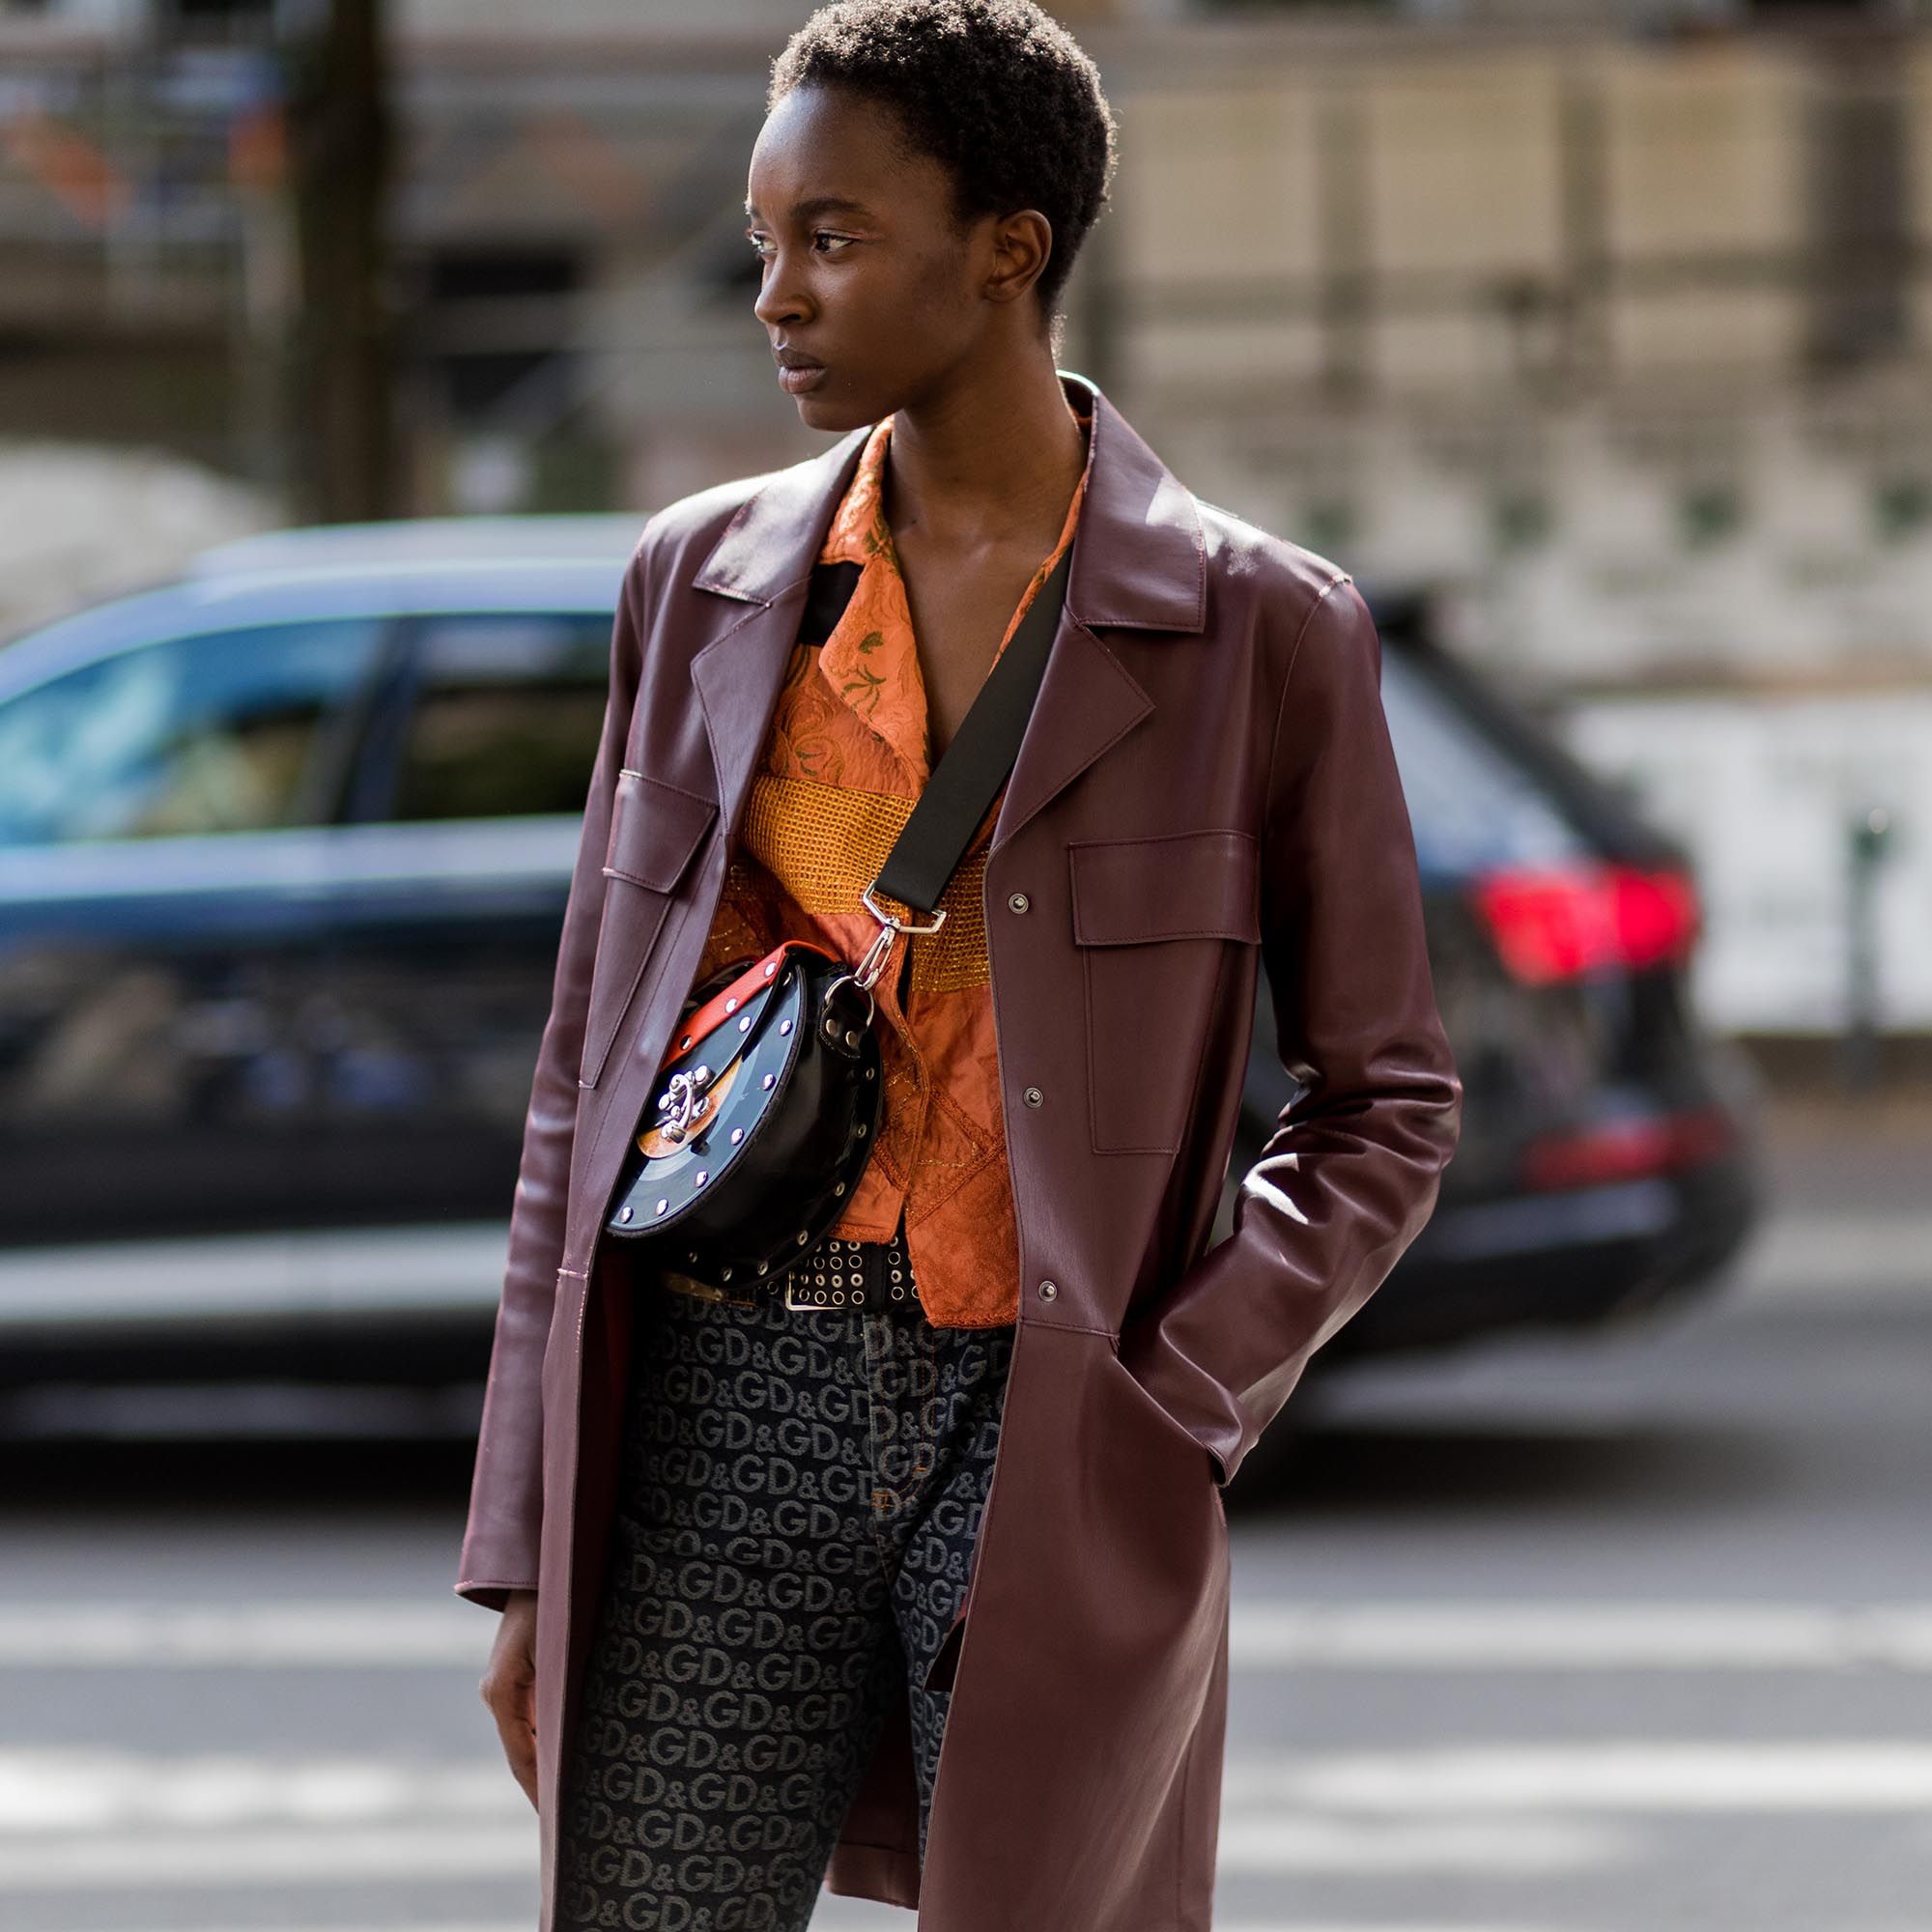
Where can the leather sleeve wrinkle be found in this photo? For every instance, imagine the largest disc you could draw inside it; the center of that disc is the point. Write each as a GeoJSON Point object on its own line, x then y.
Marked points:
{"type": "Point", "coordinates": [501, 1536]}
{"type": "Point", "coordinates": [1270, 790]}
{"type": "Point", "coordinates": [1350, 1171]}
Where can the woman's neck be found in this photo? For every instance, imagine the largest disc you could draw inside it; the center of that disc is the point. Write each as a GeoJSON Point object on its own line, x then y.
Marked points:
{"type": "Point", "coordinates": [993, 460]}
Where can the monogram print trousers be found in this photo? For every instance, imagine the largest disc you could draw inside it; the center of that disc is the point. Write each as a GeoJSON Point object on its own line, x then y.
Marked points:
{"type": "Point", "coordinates": [801, 1494]}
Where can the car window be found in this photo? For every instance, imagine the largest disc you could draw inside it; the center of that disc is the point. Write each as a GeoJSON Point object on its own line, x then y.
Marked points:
{"type": "Point", "coordinates": [1471, 806]}
{"type": "Point", "coordinates": [226, 731]}
{"type": "Point", "coordinates": [507, 714]}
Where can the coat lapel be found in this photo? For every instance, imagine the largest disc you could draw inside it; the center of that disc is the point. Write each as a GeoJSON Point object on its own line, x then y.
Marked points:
{"type": "Point", "coordinates": [1138, 563]}
{"type": "Point", "coordinates": [765, 559]}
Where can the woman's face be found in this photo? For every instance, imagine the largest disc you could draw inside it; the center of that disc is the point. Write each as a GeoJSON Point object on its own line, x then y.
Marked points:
{"type": "Point", "coordinates": [869, 284]}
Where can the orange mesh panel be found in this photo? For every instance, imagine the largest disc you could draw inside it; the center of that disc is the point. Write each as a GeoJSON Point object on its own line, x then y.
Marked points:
{"type": "Point", "coordinates": [824, 844]}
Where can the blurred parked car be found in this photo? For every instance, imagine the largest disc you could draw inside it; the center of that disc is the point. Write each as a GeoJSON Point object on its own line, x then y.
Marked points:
{"type": "Point", "coordinates": [1608, 1157]}
{"type": "Point", "coordinates": [284, 848]}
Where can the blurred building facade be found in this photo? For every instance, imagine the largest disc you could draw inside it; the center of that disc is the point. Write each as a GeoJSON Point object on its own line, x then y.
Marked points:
{"type": "Point", "coordinates": [1613, 317]}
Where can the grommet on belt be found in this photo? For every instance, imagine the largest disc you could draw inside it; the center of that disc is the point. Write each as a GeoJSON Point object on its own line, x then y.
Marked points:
{"type": "Point", "coordinates": [835, 1277]}
{"type": "Point", "coordinates": [841, 1275]}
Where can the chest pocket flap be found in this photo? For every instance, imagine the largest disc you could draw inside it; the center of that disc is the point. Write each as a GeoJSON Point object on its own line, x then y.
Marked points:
{"type": "Point", "coordinates": [1181, 884]}
{"type": "Point", "coordinates": [1151, 921]}
{"type": "Point", "coordinates": [655, 832]}
{"type": "Point", "coordinates": [654, 829]}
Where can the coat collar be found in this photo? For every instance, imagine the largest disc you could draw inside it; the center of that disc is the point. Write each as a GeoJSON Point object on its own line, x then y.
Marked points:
{"type": "Point", "coordinates": [1139, 562]}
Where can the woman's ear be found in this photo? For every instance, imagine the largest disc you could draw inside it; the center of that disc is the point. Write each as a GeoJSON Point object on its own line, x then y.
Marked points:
{"type": "Point", "coordinates": [1022, 245]}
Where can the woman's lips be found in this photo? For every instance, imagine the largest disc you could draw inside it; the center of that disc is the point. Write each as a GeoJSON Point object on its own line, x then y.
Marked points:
{"type": "Point", "coordinates": [807, 376]}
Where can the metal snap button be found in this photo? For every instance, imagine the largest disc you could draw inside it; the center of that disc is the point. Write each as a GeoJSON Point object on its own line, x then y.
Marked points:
{"type": "Point", "coordinates": [1018, 901]}
{"type": "Point", "coordinates": [1034, 1097]}
{"type": "Point", "coordinates": [1048, 1290]}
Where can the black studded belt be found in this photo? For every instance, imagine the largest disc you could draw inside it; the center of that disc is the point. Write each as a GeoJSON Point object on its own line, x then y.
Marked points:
{"type": "Point", "coordinates": [836, 1275]}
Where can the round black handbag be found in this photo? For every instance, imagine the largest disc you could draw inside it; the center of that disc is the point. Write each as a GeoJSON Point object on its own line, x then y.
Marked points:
{"type": "Point", "coordinates": [763, 1118]}
{"type": "Point", "coordinates": [766, 1105]}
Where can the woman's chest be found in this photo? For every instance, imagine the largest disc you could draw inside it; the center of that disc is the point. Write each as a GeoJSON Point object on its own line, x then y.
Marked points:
{"type": "Point", "coordinates": [959, 611]}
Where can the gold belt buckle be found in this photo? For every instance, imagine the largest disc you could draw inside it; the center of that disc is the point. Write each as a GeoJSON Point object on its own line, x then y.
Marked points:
{"type": "Point", "coordinates": [680, 1282]}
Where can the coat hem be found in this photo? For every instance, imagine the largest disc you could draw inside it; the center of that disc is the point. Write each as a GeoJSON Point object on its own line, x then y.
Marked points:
{"type": "Point", "coordinates": [491, 1594]}
{"type": "Point", "coordinates": [878, 1872]}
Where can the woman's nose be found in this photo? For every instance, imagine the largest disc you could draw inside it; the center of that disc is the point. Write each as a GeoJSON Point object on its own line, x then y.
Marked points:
{"type": "Point", "coordinates": [778, 301]}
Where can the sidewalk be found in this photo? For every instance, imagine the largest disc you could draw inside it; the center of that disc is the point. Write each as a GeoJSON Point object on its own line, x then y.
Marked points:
{"type": "Point", "coordinates": [1848, 1197]}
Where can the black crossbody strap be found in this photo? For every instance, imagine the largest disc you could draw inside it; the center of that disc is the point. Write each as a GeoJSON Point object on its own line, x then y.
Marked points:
{"type": "Point", "coordinates": [976, 763]}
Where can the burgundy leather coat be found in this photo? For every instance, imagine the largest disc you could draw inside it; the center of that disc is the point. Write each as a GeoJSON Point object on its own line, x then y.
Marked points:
{"type": "Point", "coordinates": [1205, 787]}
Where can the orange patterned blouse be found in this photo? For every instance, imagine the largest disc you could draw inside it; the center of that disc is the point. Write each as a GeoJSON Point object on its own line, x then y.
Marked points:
{"type": "Point", "coordinates": [844, 763]}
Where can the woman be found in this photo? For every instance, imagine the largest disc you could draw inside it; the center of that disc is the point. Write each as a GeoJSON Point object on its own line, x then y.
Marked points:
{"type": "Point", "coordinates": [756, 1562]}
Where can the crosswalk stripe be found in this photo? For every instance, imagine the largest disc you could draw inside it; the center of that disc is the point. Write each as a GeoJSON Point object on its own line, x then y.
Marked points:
{"type": "Point", "coordinates": [1824, 1775]}
{"type": "Point", "coordinates": [62, 1789]}
{"type": "Point", "coordinates": [401, 1855]}
{"type": "Point", "coordinates": [1515, 1847]}
{"type": "Point", "coordinates": [284, 1854]}
{"type": "Point", "coordinates": [260, 1637]}
{"type": "Point", "coordinates": [1482, 1635]}
{"type": "Point", "coordinates": [1439, 1636]}
{"type": "Point", "coordinates": [146, 1862]}
{"type": "Point", "coordinates": [53, 1790]}
{"type": "Point", "coordinates": [83, 1820]}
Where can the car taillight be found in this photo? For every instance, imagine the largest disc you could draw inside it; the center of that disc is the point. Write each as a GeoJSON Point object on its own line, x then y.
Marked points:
{"type": "Point", "coordinates": [1626, 1150]}
{"type": "Point", "coordinates": [1555, 925]}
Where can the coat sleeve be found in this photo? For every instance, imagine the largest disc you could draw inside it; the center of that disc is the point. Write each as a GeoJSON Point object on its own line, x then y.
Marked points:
{"type": "Point", "coordinates": [1350, 1173]}
{"type": "Point", "coordinates": [500, 1540]}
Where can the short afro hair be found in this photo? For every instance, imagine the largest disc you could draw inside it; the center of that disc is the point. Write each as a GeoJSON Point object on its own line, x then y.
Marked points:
{"type": "Point", "coordinates": [997, 91]}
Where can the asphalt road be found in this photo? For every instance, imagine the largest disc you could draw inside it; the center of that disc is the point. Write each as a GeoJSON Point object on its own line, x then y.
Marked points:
{"type": "Point", "coordinates": [1628, 1634]}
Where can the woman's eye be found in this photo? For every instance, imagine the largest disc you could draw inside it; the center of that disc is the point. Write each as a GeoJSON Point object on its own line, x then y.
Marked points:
{"type": "Point", "coordinates": [823, 240]}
